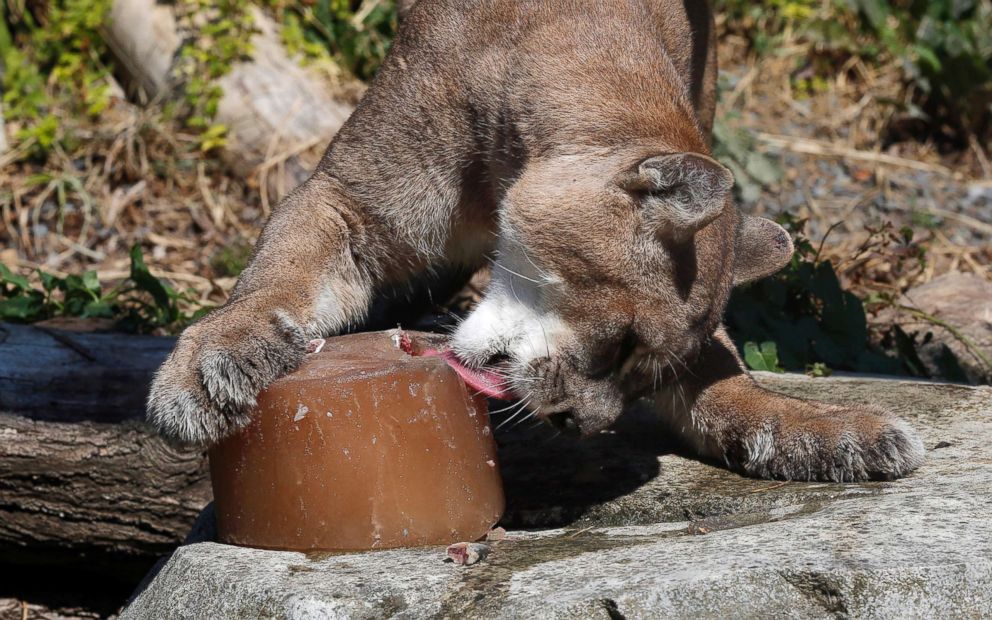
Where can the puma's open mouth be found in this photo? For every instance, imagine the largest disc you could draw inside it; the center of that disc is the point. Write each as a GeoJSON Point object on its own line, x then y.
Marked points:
{"type": "Point", "coordinates": [485, 381]}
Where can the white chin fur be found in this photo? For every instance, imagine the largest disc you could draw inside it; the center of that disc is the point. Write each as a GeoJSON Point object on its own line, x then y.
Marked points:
{"type": "Point", "coordinates": [511, 318]}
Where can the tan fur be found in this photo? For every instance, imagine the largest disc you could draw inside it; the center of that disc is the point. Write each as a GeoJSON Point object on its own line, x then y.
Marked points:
{"type": "Point", "coordinates": [570, 139]}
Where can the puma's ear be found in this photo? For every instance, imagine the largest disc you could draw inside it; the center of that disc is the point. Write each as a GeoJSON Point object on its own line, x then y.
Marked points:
{"type": "Point", "coordinates": [680, 192]}
{"type": "Point", "coordinates": [762, 248]}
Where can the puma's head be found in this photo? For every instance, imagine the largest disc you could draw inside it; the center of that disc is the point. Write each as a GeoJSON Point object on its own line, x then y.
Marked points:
{"type": "Point", "coordinates": [612, 270]}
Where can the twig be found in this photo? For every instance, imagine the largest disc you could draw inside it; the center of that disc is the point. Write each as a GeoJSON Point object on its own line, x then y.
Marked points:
{"type": "Point", "coordinates": [363, 12]}
{"type": "Point", "coordinates": [75, 247]}
{"type": "Point", "coordinates": [170, 242]}
{"type": "Point", "coordinates": [16, 153]}
{"type": "Point", "coordinates": [121, 274]}
{"type": "Point", "coordinates": [158, 273]}
{"type": "Point", "coordinates": [983, 158]}
{"type": "Point", "coordinates": [960, 337]}
{"type": "Point", "coordinates": [816, 258]}
{"type": "Point", "coordinates": [741, 86]}
{"type": "Point", "coordinates": [816, 147]}
{"type": "Point", "coordinates": [967, 220]}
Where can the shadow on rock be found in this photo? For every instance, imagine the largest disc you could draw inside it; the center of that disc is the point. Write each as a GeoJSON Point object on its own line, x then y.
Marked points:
{"type": "Point", "coordinates": [552, 480]}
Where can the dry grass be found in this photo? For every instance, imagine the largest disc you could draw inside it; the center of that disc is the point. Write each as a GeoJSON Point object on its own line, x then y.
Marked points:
{"type": "Point", "coordinates": [842, 128]}
{"type": "Point", "coordinates": [134, 178]}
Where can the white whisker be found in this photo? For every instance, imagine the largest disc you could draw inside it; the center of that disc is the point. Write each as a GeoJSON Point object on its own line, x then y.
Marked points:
{"type": "Point", "coordinates": [523, 406]}
{"type": "Point", "coordinates": [505, 268]}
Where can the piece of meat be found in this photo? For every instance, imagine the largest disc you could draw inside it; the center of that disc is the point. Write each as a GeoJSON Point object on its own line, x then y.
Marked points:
{"type": "Point", "coordinates": [467, 554]}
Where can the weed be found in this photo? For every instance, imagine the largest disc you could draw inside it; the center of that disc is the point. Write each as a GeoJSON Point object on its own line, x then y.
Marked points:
{"type": "Point", "coordinates": [223, 37]}
{"type": "Point", "coordinates": [142, 303]}
{"type": "Point", "coordinates": [54, 59]}
{"type": "Point", "coordinates": [807, 315]}
{"type": "Point", "coordinates": [763, 357]}
{"type": "Point", "coordinates": [736, 148]}
{"type": "Point", "coordinates": [356, 34]}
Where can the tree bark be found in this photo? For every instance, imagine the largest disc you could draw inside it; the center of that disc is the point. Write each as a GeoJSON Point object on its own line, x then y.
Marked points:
{"type": "Point", "coordinates": [280, 115]}
{"type": "Point", "coordinates": [113, 493]}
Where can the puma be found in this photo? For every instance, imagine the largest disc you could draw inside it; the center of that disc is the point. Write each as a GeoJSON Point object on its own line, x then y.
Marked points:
{"type": "Point", "coordinates": [568, 141]}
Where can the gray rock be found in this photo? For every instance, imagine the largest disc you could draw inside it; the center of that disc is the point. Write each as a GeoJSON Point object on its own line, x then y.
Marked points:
{"type": "Point", "coordinates": [964, 302]}
{"type": "Point", "coordinates": [688, 540]}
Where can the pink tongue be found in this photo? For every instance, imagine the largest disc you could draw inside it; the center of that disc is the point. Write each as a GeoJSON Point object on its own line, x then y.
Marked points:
{"type": "Point", "coordinates": [484, 381]}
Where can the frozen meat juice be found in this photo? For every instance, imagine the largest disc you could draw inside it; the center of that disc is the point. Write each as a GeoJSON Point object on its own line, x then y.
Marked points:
{"type": "Point", "coordinates": [365, 446]}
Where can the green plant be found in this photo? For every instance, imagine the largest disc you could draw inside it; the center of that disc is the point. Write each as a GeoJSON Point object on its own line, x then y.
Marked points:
{"type": "Point", "coordinates": [946, 50]}
{"type": "Point", "coordinates": [54, 62]}
{"type": "Point", "coordinates": [223, 37]}
{"type": "Point", "coordinates": [765, 22]}
{"type": "Point", "coordinates": [357, 34]}
{"type": "Point", "coordinates": [763, 357]}
{"type": "Point", "coordinates": [943, 47]}
{"type": "Point", "coordinates": [141, 303]}
{"type": "Point", "coordinates": [818, 369]}
{"type": "Point", "coordinates": [808, 316]}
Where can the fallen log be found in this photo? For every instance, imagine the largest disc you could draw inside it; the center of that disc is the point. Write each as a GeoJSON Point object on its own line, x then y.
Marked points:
{"type": "Point", "coordinates": [280, 115]}
{"type": "Point", "coordinates": [106, 493]}
{"type": "Point", "coordinates": [53, 373]}
{"type": "Point", "coordinates": [82, 478]}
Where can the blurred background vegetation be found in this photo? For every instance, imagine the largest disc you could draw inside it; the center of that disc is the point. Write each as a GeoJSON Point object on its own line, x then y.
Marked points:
{"type": "Point", "coordinates": [862, 125]}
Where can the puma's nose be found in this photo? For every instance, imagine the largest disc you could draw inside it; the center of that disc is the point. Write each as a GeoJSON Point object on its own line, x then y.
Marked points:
{"type": "Point", "coordinates": [564, 421]}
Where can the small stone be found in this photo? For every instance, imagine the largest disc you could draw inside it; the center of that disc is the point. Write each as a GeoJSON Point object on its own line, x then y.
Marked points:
{"type": "Point", "coordinates": [698, 529]}
{"type": "Point", "coordinates": [496, 534]}
{"type": "Point", "coordinates": [467, 554]}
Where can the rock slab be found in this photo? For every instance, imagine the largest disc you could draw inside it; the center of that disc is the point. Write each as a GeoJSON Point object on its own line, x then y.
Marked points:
{"type": "Point", "coordinates": [954, 316]}
{"type": "Point", "coordinates": [690, 540]}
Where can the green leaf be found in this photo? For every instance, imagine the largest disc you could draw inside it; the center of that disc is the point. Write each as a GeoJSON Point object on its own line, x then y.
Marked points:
{"type": "Point", "coordinates": [22, 307]}
{"type": "Point", "coordinates": [819, 369]}
{"type": "Point", "coordinates": [763, 358]}
{"type": "Point", "coordinates": [19, 282]}
{"type": "Point", "coordinates": [91, 282]}
{"type": "Point", "coordinates": [763, 169]}
{"type": "Point", "coordinates": [876, 11]}
{"type": "Point", "coordinates": [49, 282]}
{"type": "Point", "coordinates": [98, 309]}
{"type": "Point", "coordinates": [145, 281]}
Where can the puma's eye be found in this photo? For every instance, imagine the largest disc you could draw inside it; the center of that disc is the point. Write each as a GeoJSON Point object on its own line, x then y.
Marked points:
{"type": "Point", "coordinates": [613, 357]}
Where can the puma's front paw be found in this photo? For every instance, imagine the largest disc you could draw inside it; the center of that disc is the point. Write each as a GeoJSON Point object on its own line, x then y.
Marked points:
{"type": "Point", "coordinates": [840, 444]}
{"type": "Point", "coordinates": [206, 389]}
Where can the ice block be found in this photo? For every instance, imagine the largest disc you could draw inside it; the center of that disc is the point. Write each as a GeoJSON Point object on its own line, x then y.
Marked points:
{"type": "Point", "coordinates": [365, 446]}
